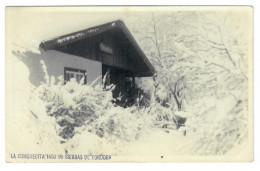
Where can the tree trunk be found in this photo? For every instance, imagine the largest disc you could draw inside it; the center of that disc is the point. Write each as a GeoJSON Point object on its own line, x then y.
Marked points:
{"type": "Point", "coordinates": [176, 94]}
{"type": "Point", "coordinates": [178, 102]}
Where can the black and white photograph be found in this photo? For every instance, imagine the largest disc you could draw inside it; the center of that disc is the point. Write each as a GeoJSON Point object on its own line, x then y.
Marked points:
{"type": "Point", "coordinates": [129, 84]}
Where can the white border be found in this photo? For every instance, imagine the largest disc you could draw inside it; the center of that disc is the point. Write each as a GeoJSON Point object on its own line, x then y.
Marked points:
{"type": "Point", "coordinates": [154, 166]}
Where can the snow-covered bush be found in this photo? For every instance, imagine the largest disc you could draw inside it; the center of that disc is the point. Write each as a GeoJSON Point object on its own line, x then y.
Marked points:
{"type": "Point", "coordinates": [218, 131]}
{"type": "Point", "coordinates": [77, 107]}
{"type": "Point", "coordinates": [227, 133]}
{"type": "Point", "coordinates": [73, 104]}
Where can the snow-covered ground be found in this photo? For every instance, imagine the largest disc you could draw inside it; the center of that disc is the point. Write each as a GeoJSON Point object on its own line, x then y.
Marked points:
{"type": "Point", "coordinates": [31, 130]}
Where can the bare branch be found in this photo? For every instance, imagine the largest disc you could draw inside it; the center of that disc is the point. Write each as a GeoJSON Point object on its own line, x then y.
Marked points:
{"type": "Point", "coordinates": [219, 66]}
{"type": "Point", "coordinates": [230, 57]}
{"type": "Point", "coordinates": [155, 34]}
{"type": "Point", "coordinates": [150, 39]}
{"type": "Point", "coordinates": [216, 44]}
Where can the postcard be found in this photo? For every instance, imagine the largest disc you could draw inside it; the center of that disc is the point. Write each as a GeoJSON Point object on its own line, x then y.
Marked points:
{"type": "Point", "coordinates": [129, 84]}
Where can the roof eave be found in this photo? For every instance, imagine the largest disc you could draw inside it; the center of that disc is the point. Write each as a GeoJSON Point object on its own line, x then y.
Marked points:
{"type": "Point", "coordinates": [72, 37]}
{"type": "Point", "coordinates": [75, 36]}
{"type": "Point", "coordinates": [137, 47]}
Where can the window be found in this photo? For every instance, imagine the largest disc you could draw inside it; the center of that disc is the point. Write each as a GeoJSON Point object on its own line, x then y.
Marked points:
{"type": "Point", "coordinates": [77, 74]}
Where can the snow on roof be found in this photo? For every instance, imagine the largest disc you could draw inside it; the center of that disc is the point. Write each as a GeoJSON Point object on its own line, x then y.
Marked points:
{"type": "Point", "coordinates": [72, 37]}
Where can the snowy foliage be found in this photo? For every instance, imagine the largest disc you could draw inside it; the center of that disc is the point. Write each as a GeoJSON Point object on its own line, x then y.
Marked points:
{"type": "Point", "coordinates": [77, 107]}
{"type": "Point", "coordinates": [202, 76]}
{"type": "Point", "coordinates": [201, 60]}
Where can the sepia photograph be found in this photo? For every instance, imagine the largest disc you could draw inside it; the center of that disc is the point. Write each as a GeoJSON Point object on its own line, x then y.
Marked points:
{"type": "Point", "coordinates": [129, 84]}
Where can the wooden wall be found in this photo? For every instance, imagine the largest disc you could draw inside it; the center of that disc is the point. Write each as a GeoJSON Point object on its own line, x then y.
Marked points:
{"type": "Point", "coordinates": [89, 48]}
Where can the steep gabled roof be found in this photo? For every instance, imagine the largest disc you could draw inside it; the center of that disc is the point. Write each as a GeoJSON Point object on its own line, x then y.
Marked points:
{"type": "Point", "coordinates": [72, 37]}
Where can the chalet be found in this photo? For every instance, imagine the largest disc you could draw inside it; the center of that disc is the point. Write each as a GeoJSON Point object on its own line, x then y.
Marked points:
{"type": "Point", "coordinates": [93, 52]}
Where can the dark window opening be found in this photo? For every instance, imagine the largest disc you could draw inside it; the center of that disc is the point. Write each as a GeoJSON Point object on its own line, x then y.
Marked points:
{"type": "Point", "coordinates": [77, 74]}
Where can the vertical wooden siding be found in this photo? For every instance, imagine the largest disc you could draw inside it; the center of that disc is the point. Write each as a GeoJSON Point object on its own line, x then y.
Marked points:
{"type": "Point", "coordinates": [89, 48]}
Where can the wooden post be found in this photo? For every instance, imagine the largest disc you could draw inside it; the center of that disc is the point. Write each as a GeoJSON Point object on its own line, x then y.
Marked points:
{"type": "Point", "coordinates": [133, 81]}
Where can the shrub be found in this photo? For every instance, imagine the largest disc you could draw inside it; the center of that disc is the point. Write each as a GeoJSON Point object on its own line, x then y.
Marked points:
{"type": "Point", "coordinates": [76, 108]}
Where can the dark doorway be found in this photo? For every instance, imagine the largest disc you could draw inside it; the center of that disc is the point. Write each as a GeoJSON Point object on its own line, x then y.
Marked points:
{"type": "Point", "coordinates": [120, 78]}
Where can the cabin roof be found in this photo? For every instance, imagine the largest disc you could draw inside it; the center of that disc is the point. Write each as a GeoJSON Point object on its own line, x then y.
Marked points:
{"type": "Point", "coordinates": [60, 41]}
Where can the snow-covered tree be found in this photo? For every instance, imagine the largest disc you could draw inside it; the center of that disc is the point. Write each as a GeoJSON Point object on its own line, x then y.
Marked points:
{"type": "Point", "coordinates": [196, 54]}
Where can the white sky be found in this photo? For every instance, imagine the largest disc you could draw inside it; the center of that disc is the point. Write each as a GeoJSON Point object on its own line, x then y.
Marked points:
{"type": "Point", "coordinates": [32, 25]}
